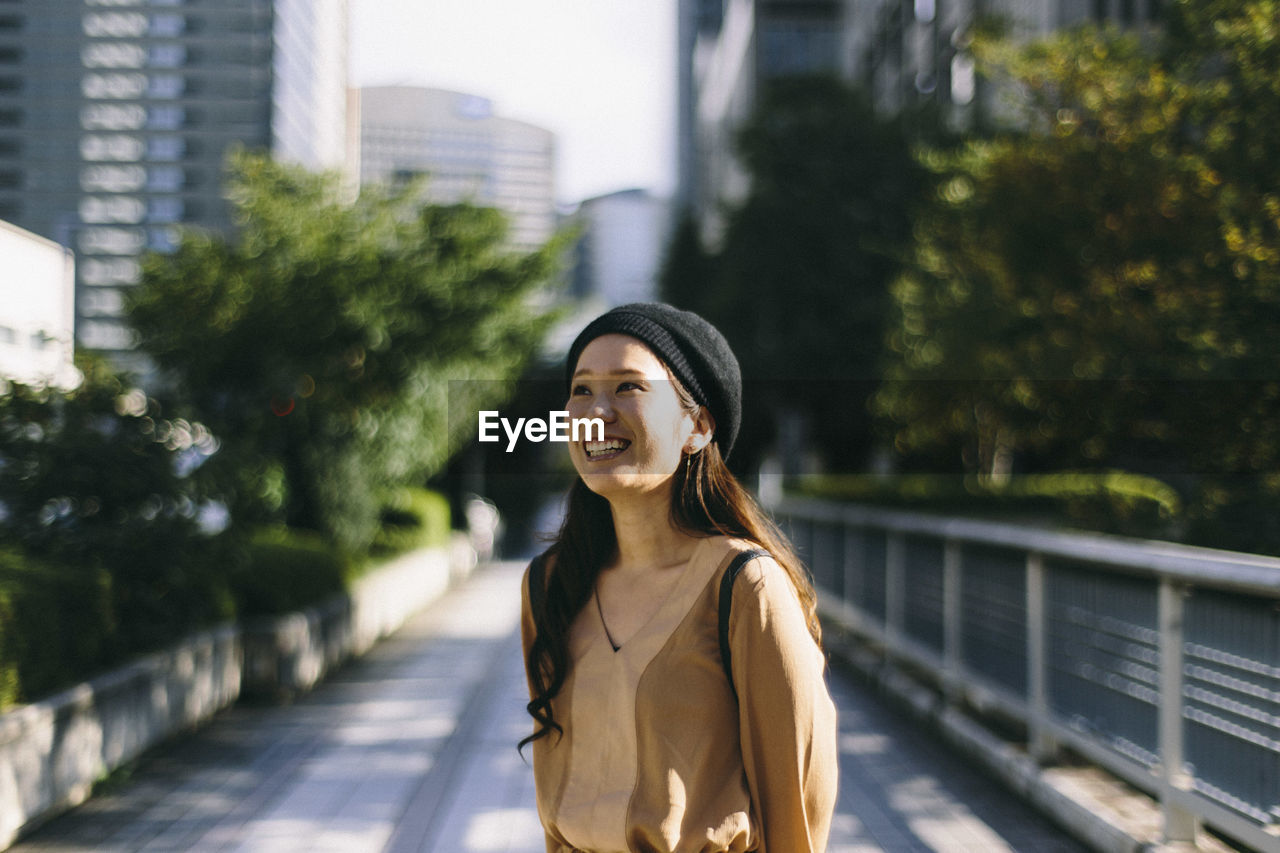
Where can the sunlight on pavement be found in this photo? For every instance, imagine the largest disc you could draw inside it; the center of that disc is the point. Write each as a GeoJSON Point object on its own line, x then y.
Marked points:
{"type": "Point", "coordinates": [504, 829]}
{"type": "Point", "coordinates": [940, 821]}
{"type": "Point", "coordinates": [864, 744]}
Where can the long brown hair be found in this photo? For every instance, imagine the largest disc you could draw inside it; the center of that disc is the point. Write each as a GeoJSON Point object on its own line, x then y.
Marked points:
{"type": "Point", "coordinates": [706, 500]}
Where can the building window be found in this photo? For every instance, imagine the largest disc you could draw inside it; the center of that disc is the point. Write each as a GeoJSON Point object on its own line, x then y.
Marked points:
{"type": "Point", "coordinates": [162, 239]}
{"type": "Point", "coordinates": [115, 25]}
{"type": "Point", "coordinates": [109, 54]}
{"type": "Point", "coordinates": [167, 25]}
{"type": "Point", "coordinates": [112, 179]}
{"type": "Point", "coordinates": [113, 117]}
{"type": "Point", "coordinates": [165, 117]}
{"type": "Point", "coordinates": [104, 271]}
{"type": "Point", "coordinates": [164, 178]}
{"type": "Point", "coordinates": [164, 210]}
{"type": "Point", "coordinates": [166, 86]}
{"type": "Point", "coordinates": [167, 56]}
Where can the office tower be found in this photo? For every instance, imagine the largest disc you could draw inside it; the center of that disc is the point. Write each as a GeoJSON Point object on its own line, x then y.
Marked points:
{"type": "Point", "coordinates": [729, 48]}
{"type": "Point", "coordinates": [620, 247]}
{"type": "Point", "coordinates": [906, 53]}
{"type": "Point", "coordinates": [465, 151]}
{"type": "Point", "coordinates": [903, 53]}
{"type": "Point", "coordinates": [116, 117]}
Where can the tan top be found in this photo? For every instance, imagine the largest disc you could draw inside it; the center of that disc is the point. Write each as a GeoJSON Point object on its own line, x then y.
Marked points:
{"type": "Point", "coordinates": [657, 757]}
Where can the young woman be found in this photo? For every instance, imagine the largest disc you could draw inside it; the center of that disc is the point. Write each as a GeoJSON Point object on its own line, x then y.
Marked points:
{"type": "Point", "coordinates": [645, 737]}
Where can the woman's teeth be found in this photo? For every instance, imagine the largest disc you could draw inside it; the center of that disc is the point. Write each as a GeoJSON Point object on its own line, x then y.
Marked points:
{"type": "Point", "coordinates": [604, 448]}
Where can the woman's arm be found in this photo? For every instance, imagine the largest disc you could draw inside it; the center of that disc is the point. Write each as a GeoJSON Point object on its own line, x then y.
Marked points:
{"type": "Point", "coordinates": [787, 718]}
{"type": "Point", "coordinates": [527, 633]}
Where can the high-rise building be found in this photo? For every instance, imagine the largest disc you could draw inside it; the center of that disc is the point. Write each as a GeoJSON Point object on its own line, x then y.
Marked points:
{"type": "Point", "coordinates": [619, 252]}
{"type": "Point", "coordinates": [466, 152]}
{"type": "Point", "coordinates": [116, 117]}
{"type": "Point", "coordinates": [730, 47]}
{"type": "Point", "coordinates": [902, 52]}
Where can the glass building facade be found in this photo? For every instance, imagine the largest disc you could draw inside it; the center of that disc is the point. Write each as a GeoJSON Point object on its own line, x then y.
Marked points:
{"type": "Point", "coordinates": [467, 153]}
{"type": "Point", "coordinates": [116, 117]}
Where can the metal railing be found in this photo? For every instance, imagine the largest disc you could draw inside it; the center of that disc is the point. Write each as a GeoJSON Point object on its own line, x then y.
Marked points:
{"type": "Point", "coordinates": [1159, 662]}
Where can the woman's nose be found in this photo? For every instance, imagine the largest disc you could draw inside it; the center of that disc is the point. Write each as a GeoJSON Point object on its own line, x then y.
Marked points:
{"type": "Point", "coordinates": [601, 407]}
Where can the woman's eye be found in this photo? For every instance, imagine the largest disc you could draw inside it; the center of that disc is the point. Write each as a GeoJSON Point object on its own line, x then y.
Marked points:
{"type": "Point", "coordinates": [628, 386]}
{"type": "Point", "coordinates": [579, 390]}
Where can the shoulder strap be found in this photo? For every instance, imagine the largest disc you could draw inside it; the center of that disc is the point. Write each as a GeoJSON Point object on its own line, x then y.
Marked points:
{"type": "Point", "coordinates": [726, 604]}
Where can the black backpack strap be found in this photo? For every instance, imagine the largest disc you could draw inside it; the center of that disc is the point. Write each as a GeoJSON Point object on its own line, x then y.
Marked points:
{"type": "Point", "coordinates": [726, 604]}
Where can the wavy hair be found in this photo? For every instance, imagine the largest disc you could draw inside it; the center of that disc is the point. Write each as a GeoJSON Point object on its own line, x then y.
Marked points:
{"type": "Point", "coordinates": [706, 500]}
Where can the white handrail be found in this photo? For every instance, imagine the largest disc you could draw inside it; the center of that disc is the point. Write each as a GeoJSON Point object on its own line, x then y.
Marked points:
{"type": "Point", "coordinates": [1167, 572]}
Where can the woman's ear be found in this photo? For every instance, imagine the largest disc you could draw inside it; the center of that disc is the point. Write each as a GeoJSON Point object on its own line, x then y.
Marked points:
{"type": "Point", "coordinates": [704, 429]}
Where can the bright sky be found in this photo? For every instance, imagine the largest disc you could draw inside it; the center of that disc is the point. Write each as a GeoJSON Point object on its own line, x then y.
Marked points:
{"type": "Point", "coordinates": [600, 74]}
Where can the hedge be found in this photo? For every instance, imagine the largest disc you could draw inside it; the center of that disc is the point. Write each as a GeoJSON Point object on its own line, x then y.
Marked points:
{"type": "Point", "coordinates": [60, 624]}
{"type": "Point", "coordinates": [1102, 501]}
{"type": "Point", "coordinates": [55, 625]}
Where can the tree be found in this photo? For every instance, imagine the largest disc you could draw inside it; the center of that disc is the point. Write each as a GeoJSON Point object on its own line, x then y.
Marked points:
{"type": "Point", "coordinates": [326, 341]}
{"type": "Point", "coordinates": [800, 284]}
{"type": "Point", "coordinates": [1101, 285]}
{"type": "Point", "coordinates": [95, 506]}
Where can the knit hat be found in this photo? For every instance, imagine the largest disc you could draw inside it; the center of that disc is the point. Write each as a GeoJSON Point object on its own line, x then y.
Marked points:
{"type": "Point", "coordinates": [696, 352]}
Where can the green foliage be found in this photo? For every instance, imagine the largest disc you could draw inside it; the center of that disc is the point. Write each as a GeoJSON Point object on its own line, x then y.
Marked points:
{"type": "Point", "coordinates": [56, 625]}
{"type": "Point", "coordinates": [319, 344]}
{"type": "Point", "coordinates": [100, 552]}
{"type": "Point", "coordinates": [413, 518]}
{"type": "Point", "coordinates": [101, 555]}
{"type": "Point", "coordinates": [1100, 287]}
{"type": "Point", "coordinates": [288, 570]}
{"type": "Point", "coordinates": [800, 284]}
{"type": "Point", "coordinates": [1108, 501]}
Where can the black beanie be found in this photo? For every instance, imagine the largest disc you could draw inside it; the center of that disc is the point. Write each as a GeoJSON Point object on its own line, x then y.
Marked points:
{"type": "Point", "coordinates": [696, 352]}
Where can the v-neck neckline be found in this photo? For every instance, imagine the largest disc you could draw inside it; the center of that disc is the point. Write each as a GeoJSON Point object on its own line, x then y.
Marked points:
{"type": "Point", "coordinates": [662, 606]}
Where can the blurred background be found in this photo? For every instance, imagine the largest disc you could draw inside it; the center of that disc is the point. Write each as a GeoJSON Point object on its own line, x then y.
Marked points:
{"type": "Point", "coordinates": [263, 261]}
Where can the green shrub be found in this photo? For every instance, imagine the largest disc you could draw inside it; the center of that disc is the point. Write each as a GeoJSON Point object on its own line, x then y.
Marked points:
{"type": "Point", "coordinates": [56, 626]}
{"type": "Point", "coordinates": [284, 569]}
{"type": "Point", "coordinates": [411, 519]}
{"type": "Point", "coordinates": [1105, 501]}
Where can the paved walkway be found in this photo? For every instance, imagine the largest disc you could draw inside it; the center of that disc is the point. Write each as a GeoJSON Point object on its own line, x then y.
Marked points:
{"type": "Point", "coordinates": [412, 749]}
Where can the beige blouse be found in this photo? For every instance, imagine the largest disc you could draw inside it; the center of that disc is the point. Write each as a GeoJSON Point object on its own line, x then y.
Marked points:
{"type": "Point", "coordinates": [657, 757]}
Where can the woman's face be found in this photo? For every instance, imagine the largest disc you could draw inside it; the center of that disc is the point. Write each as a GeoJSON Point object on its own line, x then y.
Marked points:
{"type": "Point", "coordinates": [646, 428]}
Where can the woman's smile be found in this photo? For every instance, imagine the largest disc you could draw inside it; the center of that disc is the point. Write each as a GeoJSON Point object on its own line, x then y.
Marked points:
{"type": "Point", "coordinates": [610, 448]}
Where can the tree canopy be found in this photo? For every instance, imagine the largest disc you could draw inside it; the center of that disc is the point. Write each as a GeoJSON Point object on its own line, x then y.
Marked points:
{"type": "Point", "coordinates": [799, 285]}
{"type": "Point", "coordinates": [325, 341]}
{"type": "Point", "coordinates": [1100, 284]}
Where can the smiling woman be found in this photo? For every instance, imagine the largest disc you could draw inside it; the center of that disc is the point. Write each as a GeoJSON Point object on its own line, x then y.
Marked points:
{"type": "Point", "coordinates": [675, 708]}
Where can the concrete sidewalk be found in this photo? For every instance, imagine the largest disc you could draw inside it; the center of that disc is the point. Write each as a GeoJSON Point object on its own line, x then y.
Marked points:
{"type": "Point", "coordinates": [413, 748]}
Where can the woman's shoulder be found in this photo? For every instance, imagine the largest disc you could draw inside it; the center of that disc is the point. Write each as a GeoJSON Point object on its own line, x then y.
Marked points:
{"type": "Point", "coordinates": [537, 572]}
{"type": "Point", "coordinates": [541, 562]}
{"type": "Point", "coordinates": [728, 548]}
